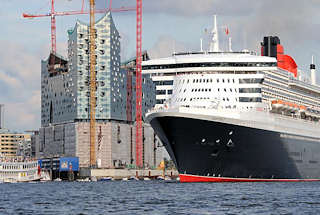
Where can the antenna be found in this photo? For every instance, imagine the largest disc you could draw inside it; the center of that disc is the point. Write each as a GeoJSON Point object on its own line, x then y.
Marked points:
{"type": "Point", "coordinates": [230, 44]}
{"type": "Point", "coordinates": [313, 72]}
{"type": "Point", "coordinates": [1, 116]}
{"type": "Point", "coordinates": [214, 44]}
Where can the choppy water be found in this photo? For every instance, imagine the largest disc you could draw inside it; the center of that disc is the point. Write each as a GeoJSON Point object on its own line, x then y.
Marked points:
{"type": "Point", "coordinates": [159, 197]}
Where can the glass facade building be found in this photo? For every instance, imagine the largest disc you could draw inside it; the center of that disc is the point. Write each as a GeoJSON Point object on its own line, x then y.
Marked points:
{"type": "Point", "coordinates": [65, 86]}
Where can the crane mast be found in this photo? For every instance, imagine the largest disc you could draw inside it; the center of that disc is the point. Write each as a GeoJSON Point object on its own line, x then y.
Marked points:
{"type": "Point", "coordinates": [92, 86]}
{"type": "Point", "coordinates": [139, 138]}
{"type": "Point", "coordinates": [53, 30]}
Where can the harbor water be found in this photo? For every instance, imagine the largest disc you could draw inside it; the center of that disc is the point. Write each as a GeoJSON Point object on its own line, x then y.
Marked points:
{"type": "Point", "coordinates": [159, 197]}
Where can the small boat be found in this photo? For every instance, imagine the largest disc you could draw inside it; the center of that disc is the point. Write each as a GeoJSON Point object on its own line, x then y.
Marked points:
{"type": "Point", "coordinates": [160, 178]}
{"type": "Point", "coordinates": [166, 178]}
{"type": "Point", "coordinates": [45, 176]}
{"type": "Point", "coordinates": [106, 179]}
{"type": "Point", "coordinates": [132, 178]}
{"type": "Point", "coordinates": [84, 180]}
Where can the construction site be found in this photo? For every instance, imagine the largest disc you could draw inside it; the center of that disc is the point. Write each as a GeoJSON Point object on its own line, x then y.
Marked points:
{"type": "Point", "coordinates": [92, 104]}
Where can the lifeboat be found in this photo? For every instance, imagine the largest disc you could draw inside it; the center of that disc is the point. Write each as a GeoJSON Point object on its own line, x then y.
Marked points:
{"type": "Point", "coordinates": [277, 104]}
{"type": "Point", "coordinates": [302, 108]}
{"type": "Point", "coordinates": [287, 106]}
{"type": "Point", "coordinates": [290, 107]}
{"type": "Point", "coordinates": [314, 114]}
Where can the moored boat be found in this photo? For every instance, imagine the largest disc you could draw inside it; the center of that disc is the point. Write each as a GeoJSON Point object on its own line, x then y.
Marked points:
{"type": "Point", "coordinates": [19, 169]}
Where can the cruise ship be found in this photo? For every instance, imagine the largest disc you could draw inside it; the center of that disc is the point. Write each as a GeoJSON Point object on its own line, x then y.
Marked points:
{"type": "Point", "coordinates": [236, 116]}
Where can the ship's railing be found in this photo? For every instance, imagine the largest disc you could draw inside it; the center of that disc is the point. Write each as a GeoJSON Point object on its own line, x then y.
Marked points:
{"type": "Point", "coordinates": [254, 111]}
{"type": "Point", "coordinates": [293, 81]}
{"type": "Point", "coordinates": [216, 107]}
{"type": "Point", "coordinates": [221, 52]}
{"type": "Point", "coordinates": [277, 92]}
{"type": "Point", "coordinates": [17, 159]}
{"type": "Point", "coordinates": [283, 72]}
{"type": "Point", "coordinates": [274, 77]}
{"type": "Point", "coordinates": [298, 119]}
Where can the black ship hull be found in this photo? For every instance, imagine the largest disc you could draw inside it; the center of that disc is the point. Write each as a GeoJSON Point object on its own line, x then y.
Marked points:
{"type": "Point", "coordinates": [214, 151]}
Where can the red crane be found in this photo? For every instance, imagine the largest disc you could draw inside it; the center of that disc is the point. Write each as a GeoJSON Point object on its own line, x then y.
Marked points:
{"type": "Point", "coordinates": [139, 138]}
{"type": "Point", "coordinates": [54, 13]}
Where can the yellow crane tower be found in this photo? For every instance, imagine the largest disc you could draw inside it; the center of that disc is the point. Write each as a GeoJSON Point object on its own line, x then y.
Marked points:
{"type": "Point", "coordinates": [92, 86]}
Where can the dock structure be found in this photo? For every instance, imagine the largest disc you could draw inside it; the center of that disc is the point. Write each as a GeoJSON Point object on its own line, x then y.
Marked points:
{"type": "Point", "coordinates": [119, 174]}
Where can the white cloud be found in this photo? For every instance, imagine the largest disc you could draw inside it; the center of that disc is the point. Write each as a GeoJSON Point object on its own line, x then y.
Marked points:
{"type": "Point", "coordinates": [20, 63]}
{"type": "Point", "coordinates": [8, 80]}
{"type": "Point", "coordinates": [19, 116]}
{"type": "Point", "coordinates": [20, 86]}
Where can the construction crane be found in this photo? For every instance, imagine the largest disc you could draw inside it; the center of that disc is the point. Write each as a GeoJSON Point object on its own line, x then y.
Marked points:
{"type": "Point", "coordinates": [92, 11]}
{"type": "Point", "coordinates": [92, 86]}
{"type": "Point", "coordinates": [139, 161]}
{"type": "Point", "coordinates": [139, 141]}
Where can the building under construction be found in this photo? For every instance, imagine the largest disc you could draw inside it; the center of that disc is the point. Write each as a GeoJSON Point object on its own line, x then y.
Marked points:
{"type": "Point", "coordinates": [65, 102]}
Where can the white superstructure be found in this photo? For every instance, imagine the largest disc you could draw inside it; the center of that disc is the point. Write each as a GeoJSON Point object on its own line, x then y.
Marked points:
{"type": "Point", "coordinates": [236, 81]}
{"type": "Point", "coordinates": [223, 64]}
{"type": "Point", "coordinates": [17, 169]}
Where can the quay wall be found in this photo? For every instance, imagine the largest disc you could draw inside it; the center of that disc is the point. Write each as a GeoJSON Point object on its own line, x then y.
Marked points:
{"type": "Point", "coordinates": [125, 173]}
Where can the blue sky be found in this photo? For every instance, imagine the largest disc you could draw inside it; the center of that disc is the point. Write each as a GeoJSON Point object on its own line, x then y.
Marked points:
{"type": "Point", "coordinates": [168, 25]}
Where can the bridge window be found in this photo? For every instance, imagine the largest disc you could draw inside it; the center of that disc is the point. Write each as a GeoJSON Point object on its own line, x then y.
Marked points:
{"type": "Point", "coordinates": [250, 90]}
{"type": "Point", "coordinates": [251, 81]}
{"type": "Point", "coordinates": [250, 99]}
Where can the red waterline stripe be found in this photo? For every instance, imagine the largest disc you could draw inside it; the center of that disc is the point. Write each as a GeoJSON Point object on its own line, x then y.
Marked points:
{"type": "Point", "coordinates": [196, 178]}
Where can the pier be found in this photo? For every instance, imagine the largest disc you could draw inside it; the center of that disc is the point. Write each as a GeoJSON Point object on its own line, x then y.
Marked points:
{"type": "Point", "coordinates": [118, 174]}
